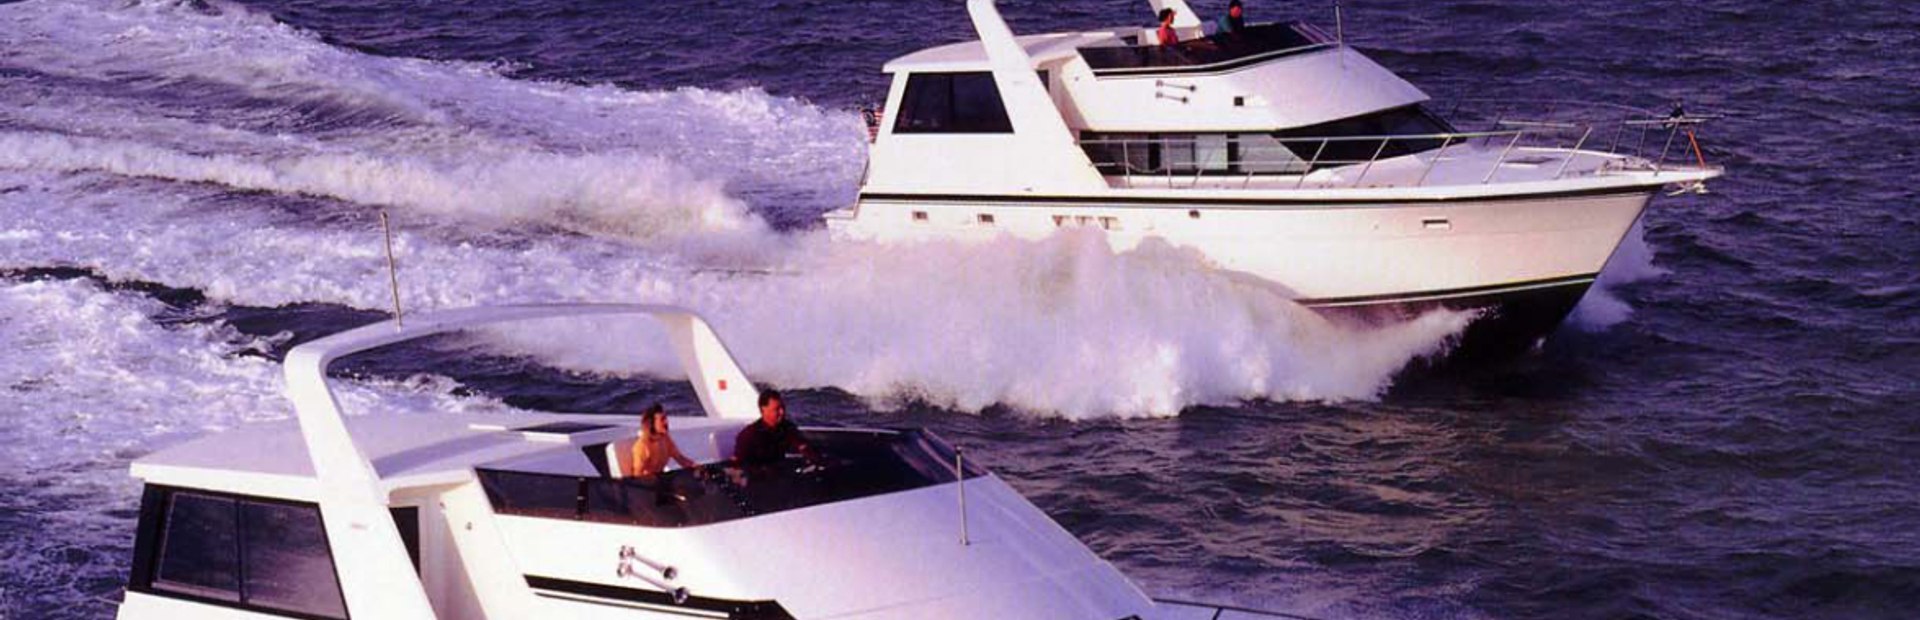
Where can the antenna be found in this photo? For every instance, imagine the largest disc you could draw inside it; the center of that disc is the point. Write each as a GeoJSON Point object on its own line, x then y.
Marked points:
{"type": "Point", "coordinates": [1340, 34]}
{"type": "Point", "coordinates": [393, 271]}
{"type": "Point", "coordinates": [960, 475]}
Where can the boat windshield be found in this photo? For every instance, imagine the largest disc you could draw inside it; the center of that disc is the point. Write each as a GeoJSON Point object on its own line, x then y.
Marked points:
{"type": "Point", "coordinates": [1218, 52]}
{"type": "Point", "coordinates": [856, 464]}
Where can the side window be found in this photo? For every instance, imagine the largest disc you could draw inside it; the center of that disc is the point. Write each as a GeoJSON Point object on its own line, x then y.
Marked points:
{"type": "Point", "coordinates": [200, 548]}
{"type": "Point", "coordinates": [952, 103]}
{"type": "Point", "coordinates": [288, 564]}
{"type": "Point", "coordinates": [1189, 153]}
{"type": "Point", "coordinates": [260, 554]}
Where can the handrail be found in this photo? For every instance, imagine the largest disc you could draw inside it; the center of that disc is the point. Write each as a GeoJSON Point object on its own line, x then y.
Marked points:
{"type": "Point", "coordinates": [1423, 136]}
{"type": "Point", "coordinates": [1296, 157]}
{"type": "Point", "coordinates": [1219, 610]}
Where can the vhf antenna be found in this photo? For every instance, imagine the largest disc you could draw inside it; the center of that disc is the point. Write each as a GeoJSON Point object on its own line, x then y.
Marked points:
{"type": "Point", "coordinates": [393, 271]}
{"type": "Point", "coordinates": [1340, 34]}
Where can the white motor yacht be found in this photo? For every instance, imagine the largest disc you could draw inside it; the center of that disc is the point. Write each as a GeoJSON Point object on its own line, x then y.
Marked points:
{"type": "Point", "coordinates": [396, 515]}
{"type": "Point", "coordinates": [1275, 150]}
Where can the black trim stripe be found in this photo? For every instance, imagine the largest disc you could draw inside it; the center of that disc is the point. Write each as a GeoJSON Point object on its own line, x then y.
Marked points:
{"type": "Point", "coordinates": [655, 600]}
{"type": "Point", "coordinates": [1158, 201]}
{"type": "Point", "coordinates": [1472, 291]}
{"type": "Point", "coordinates": [668, 609]}
{"type": "Point", "coordinates": [1218, 67]}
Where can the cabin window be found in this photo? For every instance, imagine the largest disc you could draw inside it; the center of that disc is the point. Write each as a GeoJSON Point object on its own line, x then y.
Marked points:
{"type": "Point", "coordinates": [1188, 154]}
{"type": "Point", "coordinates": [287, 563]}
{"type": "Point", "coordinates": [952, 103]}
{"type": "Point", "coordinates": [200, 548]}
{"type": "Point", "coordinates": [1388, 133]}
{"type": "Point", "coordinates": [1358, 139]}
{"type": "Point", "coordinates": [236, 551]}
{"type": "Point", "coordinates": [407, 518]}
{"type": "Point", "coordinates": [1198, 152]}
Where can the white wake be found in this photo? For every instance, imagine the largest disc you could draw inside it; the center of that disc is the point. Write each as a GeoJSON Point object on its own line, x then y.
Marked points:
{"type": "Point", "coordinates": [158, 164]}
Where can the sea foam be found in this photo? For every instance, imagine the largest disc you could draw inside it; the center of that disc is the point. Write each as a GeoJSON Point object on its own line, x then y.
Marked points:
{"type": "Point", "coordinates": [507, 190]}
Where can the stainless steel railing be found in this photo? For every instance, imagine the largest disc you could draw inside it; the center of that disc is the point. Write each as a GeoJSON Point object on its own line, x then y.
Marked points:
{"type": "Point", "coordinates": [1216, 612]}
{"type": "Point", "coordinates": [1630, 140]}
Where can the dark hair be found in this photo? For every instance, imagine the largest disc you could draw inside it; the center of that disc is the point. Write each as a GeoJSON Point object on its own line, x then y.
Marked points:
{"type": "Point", "coordinates": [652, 411]}
{"type": "Point", "coordinates": [768, 395]}
{"type": "Point", "coordinates": [1165, 13]}
{"type": "Point", "coordinates": [1233, 3]}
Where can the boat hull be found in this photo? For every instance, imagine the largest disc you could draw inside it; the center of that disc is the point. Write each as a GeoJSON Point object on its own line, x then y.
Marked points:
{"type": "Point", "coordinates": [1511, 320]}
{"type": "Point", "coordinates": [1522, 261]}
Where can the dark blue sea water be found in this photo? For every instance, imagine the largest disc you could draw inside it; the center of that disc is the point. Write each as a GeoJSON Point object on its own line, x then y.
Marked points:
{"type": "Point", "coordinates": [1727, 429]}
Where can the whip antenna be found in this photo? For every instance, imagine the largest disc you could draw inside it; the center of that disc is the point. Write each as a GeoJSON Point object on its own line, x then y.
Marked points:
{"type": "Point", "coordinates": [960, 476]}
{"type": "Point", "coordinates": [1340, 34]}
{"type": "Point", "coordinates": [393, 271]}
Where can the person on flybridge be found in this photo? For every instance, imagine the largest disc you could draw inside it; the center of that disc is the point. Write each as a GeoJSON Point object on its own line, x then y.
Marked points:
{"type": "Point", "coordinates": [655, 446]}
{"type": "Point", "coordinates": [1167, 34]}
{"type": "Point", "coordinates": [1236, 19]}
{"type": "Point", "coordinates": [768, 440]}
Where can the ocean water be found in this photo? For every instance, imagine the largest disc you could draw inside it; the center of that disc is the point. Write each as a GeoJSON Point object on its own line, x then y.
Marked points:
{"type": "Point", "coordinates": [1725, 429]}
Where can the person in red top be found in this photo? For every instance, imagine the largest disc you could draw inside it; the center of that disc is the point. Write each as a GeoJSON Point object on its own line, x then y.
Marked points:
{"type": "Point", "coordinates": [771, 438]}
{"type": "Point", "coordinates": [1167, 35]}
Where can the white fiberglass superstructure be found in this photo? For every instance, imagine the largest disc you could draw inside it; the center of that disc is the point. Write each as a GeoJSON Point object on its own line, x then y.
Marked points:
{"type": "Point", "coordinates": [419, 514]}
{"type": "Point", "coordinates": [1276, 150]}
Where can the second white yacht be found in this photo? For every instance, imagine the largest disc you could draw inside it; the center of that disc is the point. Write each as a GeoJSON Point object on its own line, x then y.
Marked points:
{"type": "Point", "coordinates": [413, 515]}
{"type": "Point", "coordinates": [1276, 150]}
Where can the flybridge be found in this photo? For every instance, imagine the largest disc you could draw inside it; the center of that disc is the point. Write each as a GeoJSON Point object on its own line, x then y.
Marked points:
{"type": "Point", "coordinates": [1129, 56]}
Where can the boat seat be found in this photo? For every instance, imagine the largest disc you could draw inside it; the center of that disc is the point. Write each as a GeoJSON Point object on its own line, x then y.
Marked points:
{"type": "Point", "coordinates": [620, 457]}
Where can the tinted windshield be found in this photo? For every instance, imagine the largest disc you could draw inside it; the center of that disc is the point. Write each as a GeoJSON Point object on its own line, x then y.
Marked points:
{"type": "Point", "coordinates": [857, 464]}
{"type": "Point", "coordinates": [1219, 52]}
{"type": "Point", "coordinates": [1361, 138]}
{"type": "Point", "coordinates": [1387, 133]}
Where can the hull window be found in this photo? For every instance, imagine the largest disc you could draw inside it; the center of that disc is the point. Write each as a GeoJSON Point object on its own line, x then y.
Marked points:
{"type": "Point", "coordinates": [952, 103]}
{"type": "Point", "coordinates": [249, 553]}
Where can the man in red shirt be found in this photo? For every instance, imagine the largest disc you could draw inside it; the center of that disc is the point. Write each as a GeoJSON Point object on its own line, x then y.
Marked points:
{"type": "Point", "coordinates": [770, 439]}
{"type": "Point", "coordinates": [1167, 35]}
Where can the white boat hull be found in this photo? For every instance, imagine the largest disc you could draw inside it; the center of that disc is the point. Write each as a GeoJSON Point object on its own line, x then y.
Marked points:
{"type": "Point", "coordinates": [1377, 261]}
